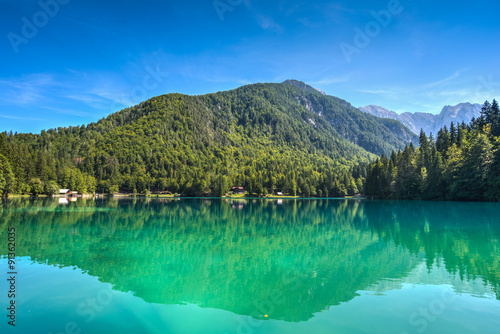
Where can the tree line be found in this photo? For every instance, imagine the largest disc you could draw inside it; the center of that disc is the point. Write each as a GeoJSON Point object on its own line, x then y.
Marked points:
{"type": "Point", "coordinates": [461, 163]}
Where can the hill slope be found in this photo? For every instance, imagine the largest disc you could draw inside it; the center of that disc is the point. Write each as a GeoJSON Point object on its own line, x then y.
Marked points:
{"type": "Point", "coordinates": [376, 135]}
{"type": "Point", "coordinates": [265, 137]}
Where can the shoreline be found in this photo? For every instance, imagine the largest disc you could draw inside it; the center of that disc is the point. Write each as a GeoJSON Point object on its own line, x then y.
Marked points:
{"type": "Point", "coordinates": [121, 195]}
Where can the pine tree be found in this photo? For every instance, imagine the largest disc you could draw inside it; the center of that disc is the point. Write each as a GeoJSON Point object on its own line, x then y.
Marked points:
{"type": "Point", "coordinates": [424, 158]}
{"type": "Point", "coordinates": [481, 121]}
{"type": "Point", "coordinates": [495, 118]}
{"type": "Point", "coordinates": [486, 112]}
{"type": "Point", "coordinates": [493, 187]}
{"type": "Point", "coordinates": [443, 140]}
{"type": "Point", "coordinates": [453, 134]}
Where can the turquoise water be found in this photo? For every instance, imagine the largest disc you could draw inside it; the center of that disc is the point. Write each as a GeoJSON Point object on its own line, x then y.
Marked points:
{"type": "Point", "coordinates": [252, 266]}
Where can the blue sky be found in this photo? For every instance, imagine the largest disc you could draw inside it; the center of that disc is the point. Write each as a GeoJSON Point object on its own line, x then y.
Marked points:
{"type": "Point", "coordinates": [71, 62]}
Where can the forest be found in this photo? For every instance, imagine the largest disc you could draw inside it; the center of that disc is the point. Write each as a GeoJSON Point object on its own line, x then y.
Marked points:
{"type": "Point", "coordinates": [267, 138]}
{"type": "Point", "coordinates": [461, 163]}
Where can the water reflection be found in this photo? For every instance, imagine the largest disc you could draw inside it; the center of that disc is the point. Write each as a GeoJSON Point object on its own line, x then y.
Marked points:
{"type": "Point", "coordinates": [248, 257]}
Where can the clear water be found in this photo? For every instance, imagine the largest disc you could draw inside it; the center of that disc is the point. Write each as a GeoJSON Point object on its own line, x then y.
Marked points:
{"type": "Point", "coordinates": [221, 266]}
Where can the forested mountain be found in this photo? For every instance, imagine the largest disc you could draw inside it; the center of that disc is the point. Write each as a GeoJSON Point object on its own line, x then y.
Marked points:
{"type": "Point", "coordinates": [374, 134]}
{"type": "Point", "coordinates": [265, 137]}
{"type": "Point", "coordinates": [430, 123]}
{"type": "Point", "coordinates": [463, 163]}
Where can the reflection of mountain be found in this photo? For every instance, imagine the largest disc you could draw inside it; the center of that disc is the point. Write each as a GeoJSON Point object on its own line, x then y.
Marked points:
{"type": "Point", "coordinates": [303, 255]}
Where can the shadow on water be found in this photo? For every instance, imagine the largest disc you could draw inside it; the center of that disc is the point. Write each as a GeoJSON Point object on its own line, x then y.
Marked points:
{"type": "Point", "coordinates": [303, 256]}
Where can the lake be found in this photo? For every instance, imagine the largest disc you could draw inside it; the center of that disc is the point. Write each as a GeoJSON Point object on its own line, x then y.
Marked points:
{"type": "Point", "coordinates": [252, 266]}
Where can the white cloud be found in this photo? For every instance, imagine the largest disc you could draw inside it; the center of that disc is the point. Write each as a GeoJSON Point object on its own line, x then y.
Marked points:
{"type": "Point", "coordinates": [267, 23]}
{"type": "Point", "coordinates": [441, 82]}
{"type": "Point", "coordinates": [22, 118]}
{"type": "Point", "coordinates": [426, 97]}
{"type": "Point", "coordinates": [25, 90]}
{"type": "Point", "coordinates": [71, 112]}
{"type": "Point", "coordinates": [332, 80]}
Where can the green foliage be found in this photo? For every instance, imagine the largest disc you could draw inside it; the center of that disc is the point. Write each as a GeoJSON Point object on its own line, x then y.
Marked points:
{"type": "Point", "coordinates": [36, 186]}
{"type": "Point", "coordinates": [463, 164]}
{"type": "Point", "coordinates": [74, 179]}
{"type": "Point", "coordinates": [264, 137]}
{"type": "Point", "coordinates": [50, 188]}
{"type": "Point", "coordinates": [7, 178]}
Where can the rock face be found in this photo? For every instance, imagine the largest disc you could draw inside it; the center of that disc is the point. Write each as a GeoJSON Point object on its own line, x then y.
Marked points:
{"type": "Point", "coordinates": [380, 112]}
{"type": "Point", "coordinates": [462, 112]}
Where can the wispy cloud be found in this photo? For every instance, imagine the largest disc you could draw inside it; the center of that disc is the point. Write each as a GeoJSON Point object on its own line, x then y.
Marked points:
{"type": "Point", "coordinates": [267, 23]}
{"type": "Point", "coordinates": [22, 118]}
{"type": "Point", "coordinates": [306, 22]}
{"type": "Point", "coordinates": [115, 95]}
{"type": "Point", "coordinates": [89, 99]}
{"type": "Point", "coordinates": [377, 91]}
{"type": "Point", "coordinates": [69, 112]}
{"type": "Point", "coordinates": [443, 81]}
{"type": "Point", "coordinates": [332, 80]}
{"type": "Point", "coordinates": [426, 97]}
{"type": "Point", "coordinates": [428, 89]}
{"type": "Point", "coordinates": [25, 90]}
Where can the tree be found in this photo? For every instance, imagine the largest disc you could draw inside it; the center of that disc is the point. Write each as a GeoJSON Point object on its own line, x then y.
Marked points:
{"type": "Point", "coordinates": [424, 157]}
{"type": "Point", "coordinates": [493, 187]}
{"type": "Point", "coordinates": [453, 134]}
{"type": "Point", "coordinates": [470, 169]}
{"type": "Point", "coordinates": [294, 187]}
{"type": "Point", "coordinates": [36, 186]}
{"type": "Point", "coordinates": [486, 112]}
{"type": "Point", "coordinates": [443, 140]}
{"type": "Point", "coordinates": [495, 118]}
{"type": "Point", "coordinates": [113, 189]}
{"type": "Point", "coordinates": [7, 177]}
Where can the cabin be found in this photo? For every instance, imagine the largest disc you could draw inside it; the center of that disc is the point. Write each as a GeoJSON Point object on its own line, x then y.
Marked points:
{"type": "Point", "coordinates": [164, 193]}
{"type": "Point", "coordinates": [279, 193]}
{"type": "Point", "coordinates": [238, 190]}
{"type": "Point", "coordinates": [63, 191]}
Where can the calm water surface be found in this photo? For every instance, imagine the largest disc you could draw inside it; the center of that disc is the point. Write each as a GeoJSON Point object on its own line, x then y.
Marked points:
{"type": "Point", "coordinates": [252, 266]}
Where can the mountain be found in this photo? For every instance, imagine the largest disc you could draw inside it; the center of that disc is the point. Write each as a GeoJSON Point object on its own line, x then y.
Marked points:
{"type": "Point", "coordinates": [264, 137]}
{"type": "Point", "coordinates": [462, 112]}
{"type": "Point", "coordinates": [378, 136]}
{"type": "Point", "coordinates": [303, 86]}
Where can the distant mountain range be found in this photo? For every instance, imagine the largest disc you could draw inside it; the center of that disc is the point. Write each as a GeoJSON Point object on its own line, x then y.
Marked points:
{"type": "Point", "coordinates": [462, 112]}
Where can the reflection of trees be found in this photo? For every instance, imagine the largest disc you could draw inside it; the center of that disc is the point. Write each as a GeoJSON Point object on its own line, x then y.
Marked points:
{"type": "Point", "coordinates": [315, 253]}
{"type": "Point", "coordinates": [465, 235]}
